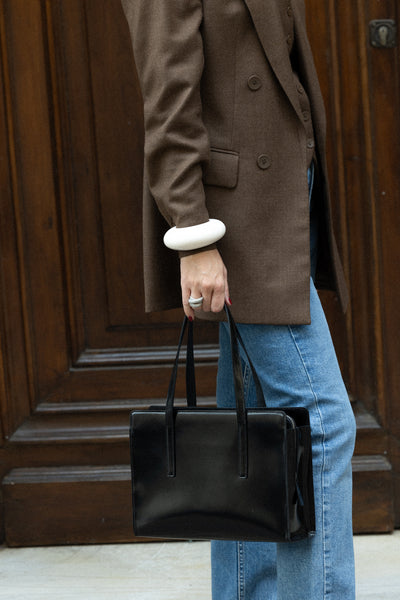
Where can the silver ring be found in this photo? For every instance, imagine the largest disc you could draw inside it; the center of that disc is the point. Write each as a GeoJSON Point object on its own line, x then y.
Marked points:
{"type": "Point", "coordinates": [195, 302]}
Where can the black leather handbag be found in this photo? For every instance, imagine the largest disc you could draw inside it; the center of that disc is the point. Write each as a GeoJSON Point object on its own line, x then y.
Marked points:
{"type": "Point", "coordinates": [212, 473]}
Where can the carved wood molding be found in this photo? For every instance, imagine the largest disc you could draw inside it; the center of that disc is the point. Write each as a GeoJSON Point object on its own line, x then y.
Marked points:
{"type": "Point", "coordinates": [152, 356]}
{"type": "Point", "coordinates": [86, 422]}
{"type": "Point", "coordinates": [101, 501]}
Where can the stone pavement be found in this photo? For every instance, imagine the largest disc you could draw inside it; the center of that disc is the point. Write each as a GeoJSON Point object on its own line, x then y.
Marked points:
{"type": "Point", "coordinates": [160, 571]}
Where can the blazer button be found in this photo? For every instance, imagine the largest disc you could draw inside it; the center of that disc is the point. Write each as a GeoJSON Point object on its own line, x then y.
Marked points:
{"type": "Point", "coordinates": [264, 161]}
{"type": "Point", "coordinates": [289, 11]}
{"type": "Point", "coordinates": [254, 82]}
{"type": "Point", "coordinates": [306, 115]}
{"type": "Point", "coordinates": [310, 144]}
{"type": "Point", "coordinates": [289, 40]}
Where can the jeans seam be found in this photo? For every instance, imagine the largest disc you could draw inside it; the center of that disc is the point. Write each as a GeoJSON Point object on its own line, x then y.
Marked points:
{"type": "Point", "coordinates": [323, 483]}
{"type": "Point", "coordinates": [240, 553]}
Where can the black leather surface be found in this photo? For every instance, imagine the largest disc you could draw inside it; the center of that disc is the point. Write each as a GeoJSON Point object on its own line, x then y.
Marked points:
{"type": "Point", "coordinates": [241, 474]}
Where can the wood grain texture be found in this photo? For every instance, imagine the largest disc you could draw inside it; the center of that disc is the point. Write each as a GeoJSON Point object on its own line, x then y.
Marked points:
{"type": "Point", "coordinates": [373, 509]}
{"type": "Point", "coordinates": [100, 503]}
{"type": "Point", "coordinates": [361, 88]}
{"type": "Point", "coordinates": [92, 493]}
{"type": "Point", "coordinates": [17, 388]}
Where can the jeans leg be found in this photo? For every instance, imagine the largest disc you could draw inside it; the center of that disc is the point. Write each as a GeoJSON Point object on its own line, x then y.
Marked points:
{"type": "Point", "coordinates": [243, 570]}
{"type": "Point", "coordinates": [240, 570]}
{"type": "Point", "coordinates": [297, 366]}
{"type": "Point", "coordinates": [322, 567]}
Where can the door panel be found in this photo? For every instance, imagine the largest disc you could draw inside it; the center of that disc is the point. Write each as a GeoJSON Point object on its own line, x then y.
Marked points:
{"type": "Point", "coordinates": [361, 89]}
{"type": "Point", "coordinates": [78, 351]}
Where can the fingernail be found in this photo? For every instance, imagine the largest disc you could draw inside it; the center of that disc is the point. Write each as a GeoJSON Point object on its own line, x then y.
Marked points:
{"type": "Point", "coordinates": [190, 319]}
{"type": "Point", "coordinates": [230, 302]}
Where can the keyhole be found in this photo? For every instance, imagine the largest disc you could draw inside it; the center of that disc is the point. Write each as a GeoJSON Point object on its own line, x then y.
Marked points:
{"type": "Point", "coordinates": [383, 33]}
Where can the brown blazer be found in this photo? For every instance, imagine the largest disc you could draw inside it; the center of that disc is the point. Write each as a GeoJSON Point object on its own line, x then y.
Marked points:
{"type": "Point", "coordinates": [217, 147]}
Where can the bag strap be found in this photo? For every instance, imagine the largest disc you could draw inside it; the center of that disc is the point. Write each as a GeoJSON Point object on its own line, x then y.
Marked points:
{"type": "Point", "coordinates": [259, 393]}
{"type": "Point", "coordinates": [190, 374]}
{"type": "Point", "coordinates": [235, 337]}
{"type": "Point", "coordinates": [239, 396]}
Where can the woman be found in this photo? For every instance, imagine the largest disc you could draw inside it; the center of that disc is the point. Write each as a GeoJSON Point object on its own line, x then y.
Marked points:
{"type": "Point", "coordinates": [235, 143]}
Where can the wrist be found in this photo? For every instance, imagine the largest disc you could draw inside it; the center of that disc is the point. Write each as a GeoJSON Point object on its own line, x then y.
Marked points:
{"type": "Point", "coordinates": [184, 253]}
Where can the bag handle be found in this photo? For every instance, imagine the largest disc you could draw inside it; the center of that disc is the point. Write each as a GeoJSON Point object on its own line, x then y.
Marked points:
{"type": "Point", "coordinates": [233, 327]}
{"type": "Point", "coordinates": [235, 337]}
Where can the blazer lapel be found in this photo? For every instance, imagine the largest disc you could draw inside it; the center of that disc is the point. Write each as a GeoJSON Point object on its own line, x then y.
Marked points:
{"type": "Point", "coordinates": [268, 24]}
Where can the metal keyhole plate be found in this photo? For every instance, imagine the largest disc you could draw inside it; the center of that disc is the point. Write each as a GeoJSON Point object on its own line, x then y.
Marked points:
{"type": "Point", "coordinates": [383, 33]}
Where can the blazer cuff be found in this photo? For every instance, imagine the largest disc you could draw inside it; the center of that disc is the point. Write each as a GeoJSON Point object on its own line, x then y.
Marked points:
{"type": "Point", "coordinates": [196, 236]}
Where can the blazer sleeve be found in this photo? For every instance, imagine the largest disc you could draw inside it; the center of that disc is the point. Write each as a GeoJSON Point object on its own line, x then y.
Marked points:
{"type": "Point", "coordinates": [168, 51]}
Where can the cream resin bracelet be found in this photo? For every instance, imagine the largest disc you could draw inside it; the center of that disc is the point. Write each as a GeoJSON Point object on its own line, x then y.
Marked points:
{"type": "Point", "coordinates": [196, 236]}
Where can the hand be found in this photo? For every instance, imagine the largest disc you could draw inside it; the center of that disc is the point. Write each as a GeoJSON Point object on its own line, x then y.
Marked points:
{"type": "Point", "coordinates": [204, 274]}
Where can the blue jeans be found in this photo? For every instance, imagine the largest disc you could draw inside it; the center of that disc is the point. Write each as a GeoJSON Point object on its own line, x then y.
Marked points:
{"type": "Point", "coordinates": [297, 366]}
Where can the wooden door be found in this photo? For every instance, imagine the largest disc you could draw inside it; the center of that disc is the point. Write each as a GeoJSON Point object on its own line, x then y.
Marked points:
{"type": "Point", "coordinates": [360, 83]}
{"type": "Point", "coordinates": [77, 350]}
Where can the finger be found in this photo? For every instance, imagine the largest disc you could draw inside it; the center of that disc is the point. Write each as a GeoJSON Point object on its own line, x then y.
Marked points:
{"type": "Point", "coordinates": [227, 294]}
{"type": "Point", "coordinates": [188, 310]}
{"type": "Point", "coordinates": [218, 297]}
{"type": "Point", "coordinates": [199, 307]}
{"type": "Point", "coordinates": [206, 292]}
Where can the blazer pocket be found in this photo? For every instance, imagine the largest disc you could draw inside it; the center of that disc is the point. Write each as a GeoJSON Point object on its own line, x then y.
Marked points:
{"type": "Point", "coordinates": [223, 168]}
